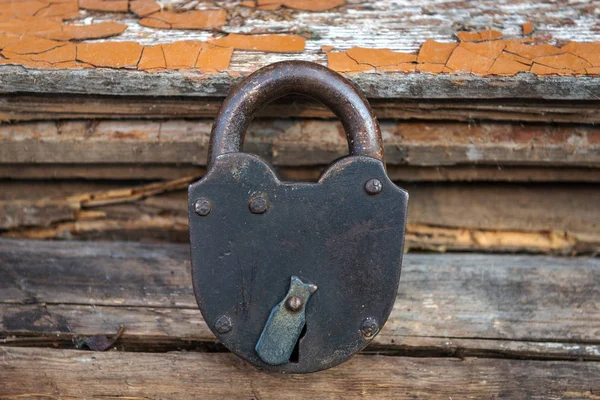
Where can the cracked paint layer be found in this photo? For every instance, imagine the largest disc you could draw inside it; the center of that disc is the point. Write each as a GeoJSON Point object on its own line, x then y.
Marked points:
{"type": "Point", "coordinates": [47, 34]}
{"type": "Point", "coordinates": [105, 5]}
{"type": "Point", "coordinates": [479, 53]}
{"type": "Point", "coordinates": [193, 19]}
{"type": "Point", "coordinates": [142, 8]}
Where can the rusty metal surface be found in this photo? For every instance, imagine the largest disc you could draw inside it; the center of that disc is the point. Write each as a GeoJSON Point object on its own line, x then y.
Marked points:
{"type": "Point", "coordinates": [298, 77]}
{"type": "Point", "coordinates": [250, 232]}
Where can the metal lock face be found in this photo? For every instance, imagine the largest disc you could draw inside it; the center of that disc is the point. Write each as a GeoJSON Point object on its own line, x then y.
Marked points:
{"type": "Point", "coordinates": [296, 276]}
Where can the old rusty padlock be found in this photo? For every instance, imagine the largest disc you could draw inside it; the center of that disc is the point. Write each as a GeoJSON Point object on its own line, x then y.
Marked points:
{"type": "Point", "coordinates": [296, 276]}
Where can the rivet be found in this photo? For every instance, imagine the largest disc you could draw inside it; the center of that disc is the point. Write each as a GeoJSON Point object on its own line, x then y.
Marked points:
{"type": "Point", "coordinates": [223, 324]}
{"type": "Point", "coordinates": [202, 206]}
{"type": "Point", "coordinates": [369, 327]}
{"type": "Point", "coordinates": [373, 186]}
{"type": "Point", "coordinates": [294, 303]}
{"type": "Point", "coordinates": [259, 204]}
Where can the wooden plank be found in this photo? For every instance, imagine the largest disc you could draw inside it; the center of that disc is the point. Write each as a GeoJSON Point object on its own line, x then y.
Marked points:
{"type": "Point", "coordinates": [448, 216]}
{"type": "Point", "coordinates": [403, 173]}
{"type": "Point", "coordinates": [33, 373]}
{"type": "Point", "coordinates": [455, 304]}
{"type": "Point", "coordinates": [300, 143]}
{"type": "Point", "coordinates": [381, 26]}
{"type": "Point", "coordinates": [395, 85]}
{"type": "Point", "coordinates": [22, 107]}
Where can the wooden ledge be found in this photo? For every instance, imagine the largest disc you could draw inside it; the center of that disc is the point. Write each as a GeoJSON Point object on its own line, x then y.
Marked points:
{"type": "Point", "coordinates": [59, 374]}
{"type": "Point", "coordinates": [532, 320]}
{"type": "Point", "coordinates": [17, 79]}
{"type": "Point", "coordinates": [454, 304]}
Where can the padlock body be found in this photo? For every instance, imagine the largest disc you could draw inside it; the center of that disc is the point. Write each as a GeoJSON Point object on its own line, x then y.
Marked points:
{"type": "Point", "coordinates": [332, 233]}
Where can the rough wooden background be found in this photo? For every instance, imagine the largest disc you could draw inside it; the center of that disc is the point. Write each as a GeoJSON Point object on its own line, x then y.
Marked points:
{"type": "Point", "coordinates": [464, 325]}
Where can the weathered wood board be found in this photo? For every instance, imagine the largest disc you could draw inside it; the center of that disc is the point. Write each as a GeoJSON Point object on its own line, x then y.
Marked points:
{"type": "Point", "coordinates": [456, 304]}
{"type": "Point", "coordinates": [31, 107]}
{"type": "Point", "coordinates": [292, 142]}
{"type": "Point", "coordinates": [397, 26]}
{"type": "Point", "coordinates": [442, 216]}
{"type": "Point", "coordinates": [46, 373]}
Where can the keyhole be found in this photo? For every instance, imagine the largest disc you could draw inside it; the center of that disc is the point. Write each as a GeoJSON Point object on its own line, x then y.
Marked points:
{"type": "Point", "coordinates": [296, 352]}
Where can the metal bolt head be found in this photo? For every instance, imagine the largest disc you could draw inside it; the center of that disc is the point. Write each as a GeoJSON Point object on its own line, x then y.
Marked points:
{"type": "Point", "coordinates": [369, 327]}
{"type": "Point", "coordinates": [373, 186]}
{"type": "Point", "coordinates": [202, 206]}
{"type": "Point", "coordinates": [259, 204]}
{"type": "Point", "coordinates": [294, 304]}
{"type": "Point", "coordinates": [223, 324]}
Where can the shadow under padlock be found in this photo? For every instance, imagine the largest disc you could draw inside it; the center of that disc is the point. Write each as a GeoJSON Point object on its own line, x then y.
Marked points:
{"type": "Point", "coordinates": [296, 276]}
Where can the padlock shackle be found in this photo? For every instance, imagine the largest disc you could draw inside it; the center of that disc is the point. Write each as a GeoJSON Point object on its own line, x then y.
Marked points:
{"type": "Point", "coordinates": [298, 77]}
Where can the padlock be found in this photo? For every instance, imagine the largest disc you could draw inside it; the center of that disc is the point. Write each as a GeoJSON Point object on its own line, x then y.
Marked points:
{"type": "Point", "coordinates": [296, 277]}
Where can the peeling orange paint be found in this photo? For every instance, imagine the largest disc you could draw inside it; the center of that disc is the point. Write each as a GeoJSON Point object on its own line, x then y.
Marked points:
{"type": "Point", "coordinates": [267, 43]}
{"type": "Point", "coordinates": [431, 68]}
{"type": "Point", "coordinates": [472, 55]}
{"type": "Point", "coordinates": [490, 49]}
{"type": "Point", "coordinates": [181, 55]}
{"type": "Point", "coordinates": [517, 58]}
{"type": "Point", "coordinates": [563, 61]}
{"type": "Point", "coordinates": [467, 62]}
{"type": "Point", "coordinates": [506, 65]}
{"type": "Point", "coordinates": [593, 71]}
{"type": "Point", "coordinates": [545, 70]}
{"type": "Point", "coordinates": [105, 5]}
{"type": "Point", "coordinates": [435, 52]}
{"type": "Point", "coordinates": [34, 33]}
{"type": "Point", "coordinates": [214, 59]}
{"type": "Point", "coordinates": [478, 36]}
{"type": "Point", "coordinates": [194, 19]}
{"type": "Point", "coordinates": [379, 57]}
{"type": "Point", "coordinates": [590, 52]}
{"type": "Point", "coordinates": [81, 32]}
{"type": "Point", "coordinates": [30, 45]}
{"type": "Point", "coordinates": [342, 62]}
{"type": "Point", "coordinates": [531, 51]}
{"type": "Point", "coordinates": [142, 8]}
{"type": "Point", "coordinates": [30, 25]}
{"type": "Point", "coordinates": [62, 10]}
{"type": "Point", "coordinates": [110, 54]}
{"type": "Point", "coordinates": [21, 9]}
{"type": "Point", "coordinates": [152, 58]}
{"type": "Point", "coordinates": [60, 54]}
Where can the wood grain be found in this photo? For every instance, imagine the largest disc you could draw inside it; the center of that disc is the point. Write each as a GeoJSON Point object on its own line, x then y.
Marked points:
{"type": "Point", "coordinates": [442, 216]}
{"type": "Point", "coordinates": [454, 304]}
{"type": "Point", "coordinates": [17, 79]}
{"type": "Point", "coordinates": [398, 173]}
{"type": "Point", "coordinates": [393, 25]}
{"type": "Point", "coordinates": [34, 373]}
{"type": "Point", "coordinates": [300, 143]}
{"type": "Point", "coordinates": [22, 107]}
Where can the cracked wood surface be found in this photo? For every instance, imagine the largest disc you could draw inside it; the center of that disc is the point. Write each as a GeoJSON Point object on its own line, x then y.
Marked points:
{"type": "Point", "coordinates": [48, 373]}
{"type": "Point", "coordinates": [448, 305]}
{"type": "Point", "coordinates": [47, 107]}
{"type": "Point", "coordinates": [388, 27]}
{"type": "Point", "coordinates": [469, 173]}
{"type": "Point", "coordinates": [288, 142]}
{"type": "Point", "coordinates": [442, 216]}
